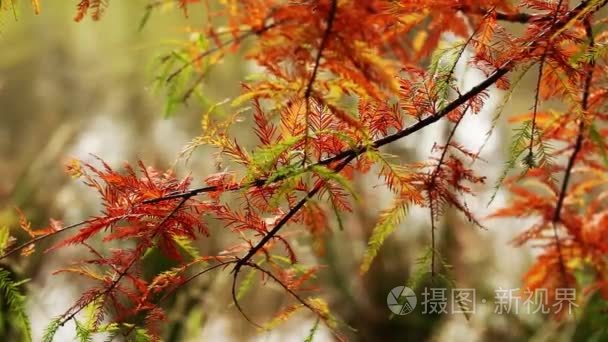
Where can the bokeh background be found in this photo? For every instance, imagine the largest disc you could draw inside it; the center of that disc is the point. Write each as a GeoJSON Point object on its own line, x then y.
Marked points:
{"type": "Point", "coordinates": [72, 89]}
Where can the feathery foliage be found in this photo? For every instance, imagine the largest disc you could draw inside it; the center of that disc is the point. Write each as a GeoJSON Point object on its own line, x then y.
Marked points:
{"type": "Point", "coordinates": [339, 81]}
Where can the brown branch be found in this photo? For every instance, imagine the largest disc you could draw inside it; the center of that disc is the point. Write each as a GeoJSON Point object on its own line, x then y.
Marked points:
{"type": "Point", "coordinates": [331, 16]}
{"type": "Point", "coordinates": [60, 230]}
{"type": "Point", "coordinates": [219, 47]}
{"type": "Point", "coordinates": [516, 17]}
{"type": "Point", "coordinates": [42, 237]}
{"type": "Point", "coordinates": [287, 217]}
{"type": "Point", "coordinates": [205, 189]}
{"type": "Point", "coordinates": [577, 148]}
{"type": "Point", "coordinates": [351, 154]}
{"type": "Point", "coordinates": [235, 299]}
{"type": "Point", "coordinates": [530, 158]}
{"type": "Point", "coordinates": [432, 183]}
{"type": "Point", "coordinates": [278, 281]}
{"type": "Point", "coordinates": [355, 151]}
{"type": "Point", "coordinates": [358, 150]}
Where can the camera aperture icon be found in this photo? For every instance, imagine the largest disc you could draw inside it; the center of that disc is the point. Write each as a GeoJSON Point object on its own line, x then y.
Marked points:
{"type": "Point", "coordinates": [401, 300]}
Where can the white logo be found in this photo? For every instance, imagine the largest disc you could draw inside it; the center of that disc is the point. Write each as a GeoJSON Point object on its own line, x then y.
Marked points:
{"type": "Point", "coordinates": [401, 300]}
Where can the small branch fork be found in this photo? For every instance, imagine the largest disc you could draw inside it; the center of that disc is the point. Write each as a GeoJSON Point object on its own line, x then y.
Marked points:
{"type": "Point", "coordinates": [430, 191]}
{"type": "Point", "coordinates": [286, 218]}
{"type": "Point", "coordinates": [278, 281]}
{"type": "Point", "coordinates": [445, 150]}
{"type": "Point", "coordinates": [208, 52]}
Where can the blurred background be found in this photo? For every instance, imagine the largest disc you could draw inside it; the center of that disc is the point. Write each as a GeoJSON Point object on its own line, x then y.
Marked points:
{"type": "Point", "coordinates": [72, 89]}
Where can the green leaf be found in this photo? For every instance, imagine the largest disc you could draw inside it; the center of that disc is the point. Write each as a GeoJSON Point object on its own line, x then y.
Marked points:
{"type": "Point", "coordinates": [86, 329]}
{"type": "Point", "coordinates": [51, 330]}
{"type": "Point", "coordinates": [287, 172]}
{"type": "Point", "coordinates": [330, 175]}
{"type": "Point", "coordinates": [443, 63]}
{"type": "Point", "coordinates": [266, 158]}
{"type": "Point", "coordinates": [246, 284]}
{"type": "Point", "coordinates": [145, 18]}
{"type": "Point", "coordinates": [500, 109]}
{"type": "Point", "coordinates": [4, 238]}
{"type": "Point", "coordinates": [186, 246]}
{"type": "Point", "coordinates": [112, 331]}
{"type": "Point", "coordinates": [421, 275]}
{"type": "Point", "coordinates": [312, 332]}
{"type": "Point", "coordinates": [593, 323]}
{"type": "Point", "coordinates": [389, 219]}
{"type": "Point", "coordinates": [519, 147]}
{"type": "Point", "coordinates": [83, 333]}
{"type": "Point", "coordinates": [597, 139]}
{"type": "Point", "coordinates": [337, 213]}
{"type": "Point", "coordinates": [141, 335]}
{"type": "Point", "coordinates": [16, 303]}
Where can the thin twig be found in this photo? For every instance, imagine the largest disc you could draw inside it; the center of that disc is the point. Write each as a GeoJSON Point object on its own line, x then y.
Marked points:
{"type": "Point", "coordinates": [577, 148]}
{"type": "Point", "coordinates": [219, 47]}
{"type": "Point", "coordinates": [543, 58]}
{"type": "Point", "coordinates": [235, 298]}
{"type": "Point", "coordinates": [516, 17]}
{"type": "Point", "coordinates": [278, 281]}
{"type": "Point", "coordinates": [530, 157]}
{"type": "Point", "coordinates": [444, 152]}
{"type": "Point", "coordinates": [68, 316]}
{"type": "Point", "coordinates": [42, 237]}
{"type": "Point", "coordinates": [286, 218]}
{"type": "Point", "coordinates": [432, 184]}
{"type": "Point", "coordinates": [182, 284]}
{"type": "Point", "coordinates": [331, 15]}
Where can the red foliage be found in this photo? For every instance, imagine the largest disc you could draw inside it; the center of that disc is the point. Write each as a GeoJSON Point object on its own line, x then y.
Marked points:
{"type": "Point", "coordinates": [390, 55]}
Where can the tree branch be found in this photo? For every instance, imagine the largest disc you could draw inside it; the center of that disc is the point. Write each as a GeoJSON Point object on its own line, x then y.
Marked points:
{"type": "Point", "coordinates": [516, 17]}
{"type": "Point", "coordinates": [331, 16]}
{"type": "Point", "coordinates": [577, 148]}
{"type": "Point", "coordinates": [41, 237]}
{"type": "Point", "coordinates": [352, 153]}
{"type": "Point", "coordinates": [286, 218]}
{"type": "Point", "coordinates": [357, 150]}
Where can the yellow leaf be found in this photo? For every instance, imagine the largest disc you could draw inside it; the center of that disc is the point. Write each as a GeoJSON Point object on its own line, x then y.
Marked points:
{"type": "Point", "coordinates": [419, 40]}
{"type": "Point", "coordinates": [28, 250]}
{"type": "Point", "coordinates": [389, 219]}
{"type": "Point", "coordinates": [73, 168]}
{"type": "Point", "coordinates": [36, 6]}
{"type": "Point", "coordinates": [5, 238]}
